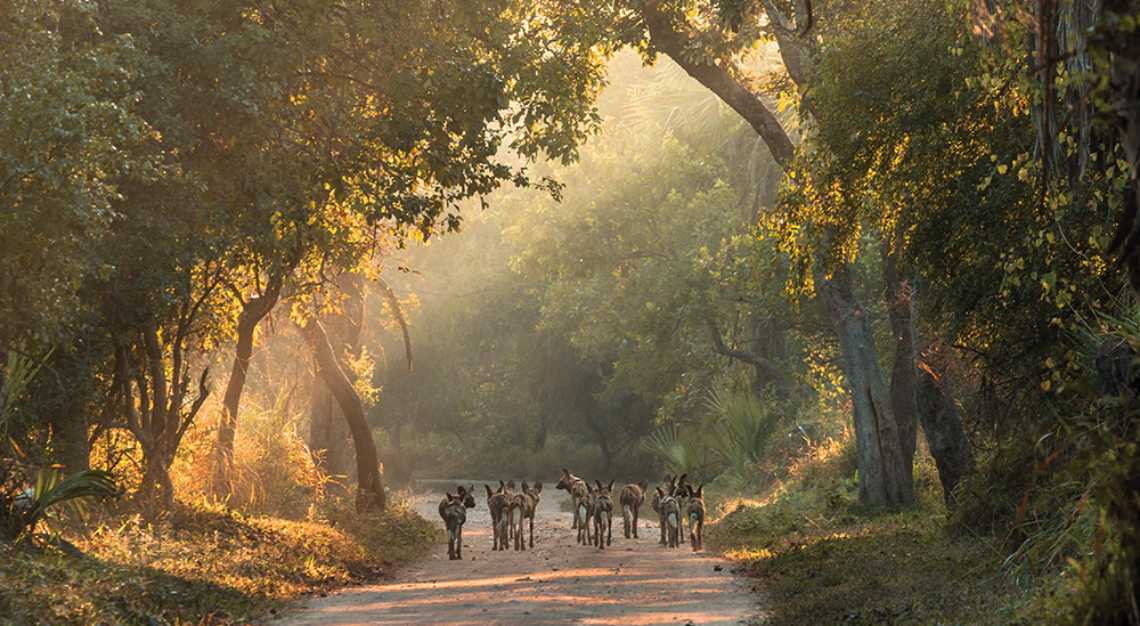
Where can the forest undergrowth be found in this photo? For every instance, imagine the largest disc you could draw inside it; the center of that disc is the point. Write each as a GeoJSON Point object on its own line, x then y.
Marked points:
{"type": "Point", "coordinates": [291, 531]}
{"type": "Point", "coordinates": [818, 557]}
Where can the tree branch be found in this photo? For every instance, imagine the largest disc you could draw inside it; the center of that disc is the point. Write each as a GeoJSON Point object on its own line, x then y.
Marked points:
{"type": "Point", "coordinates": [394, 304]}
{"type": "Point", "coordinates": [718, 79]}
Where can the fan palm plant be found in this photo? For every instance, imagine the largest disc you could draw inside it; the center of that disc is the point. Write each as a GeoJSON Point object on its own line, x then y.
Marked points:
{"type": "Point", "coordinates": [744, 426]}
{"type": "Point", "coordinates": [22, 506]}
{"type": "Point", "coordinates": [22, 509]}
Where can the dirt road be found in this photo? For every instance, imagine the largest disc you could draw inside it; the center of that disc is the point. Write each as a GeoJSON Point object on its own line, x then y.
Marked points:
{"type": "Point", "coordinates": [634, 581]}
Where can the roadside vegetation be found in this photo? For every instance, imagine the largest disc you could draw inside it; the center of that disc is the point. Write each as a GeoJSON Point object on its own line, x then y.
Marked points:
{"type": "Point", "coordinates": [867, 270]}
{"type": "Point", "coordinates": [201, 564]}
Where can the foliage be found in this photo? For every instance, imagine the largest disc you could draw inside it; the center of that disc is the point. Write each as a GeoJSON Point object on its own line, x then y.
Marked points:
{"type": "Point", "coordinates": [202, 563]}
{"type": "Point", "coordinates": [21, 509]}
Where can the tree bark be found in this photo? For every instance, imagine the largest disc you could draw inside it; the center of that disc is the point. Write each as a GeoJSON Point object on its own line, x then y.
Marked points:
{"type": "Point", "coordinates": [370, 495]}
{"type": "Point", "coordinates": [899, 296]}
{"type": "Point", "coordinates": [329, 438]}
{"type": "Point", "coordinates": [945, 435]}
{"type": "Point", "coordinates": [882, 469]}
{"type": "Point", "coordinates": [69, 438]}
{"type": "Point", "coordinates": [252, 312]}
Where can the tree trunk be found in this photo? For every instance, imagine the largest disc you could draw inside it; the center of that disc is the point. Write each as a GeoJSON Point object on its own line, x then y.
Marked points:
{"type": "Point", "coordinates": [252, 313]}
{"type": "Point", "coordinates": [883, 473]}
{"type": "Point", "coordinates": [69, 438]}
{"type": "Point", "coordinates": [945, 435]}
{"type": "Point", "coordinates": [329, 438]}
{"type": "Point", "coordinates": [370, 495]}
{"type": "Point", "coordinates": [156, 486]}
{"type": "Point", "coordinates": [899, 296]}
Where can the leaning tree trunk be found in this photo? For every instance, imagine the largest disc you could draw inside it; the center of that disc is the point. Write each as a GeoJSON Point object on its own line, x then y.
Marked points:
{"type": "Point", "coordinates": [884, 476]}
{"type": "Point", "coordinates": [252, 312]}
{"type": "Point", "coordinates": [945, 435]}
{"type": "Point", "coordinates": [370, 495]}
{"type": "Point", "coordinates": [329, 436]}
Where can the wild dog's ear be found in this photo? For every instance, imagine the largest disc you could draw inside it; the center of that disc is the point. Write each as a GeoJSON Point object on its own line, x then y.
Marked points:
{"type": "Point", "coordinates": [471, 489]}
{"type": "Point", "coordinates": [681, 481]}
{"type": "Point", "coordinates": [565, 472]}
{"type": "Point", "coordinates": [598, 484]}
{"type": "Point", "coordinates": [538, 486]}
{"type": "Point", "coordinates": [525, 486]}
{"type": "Point", "coordinates": [660, 493]}
{"type": "Point", "coordinates": [461, 490]}
{"type": "Point", "coordinates": [611, 487]}
{"type": "Point", "coordinates": [490, 494]}
{"type": "Point", "coordinates": [700, 491]}
{"type": "Point", "coordinates": [511, 484]}
{"type": "Point", "coordinates": [668, 478]}
{"type": "Point", "coordinates": [644, 484]}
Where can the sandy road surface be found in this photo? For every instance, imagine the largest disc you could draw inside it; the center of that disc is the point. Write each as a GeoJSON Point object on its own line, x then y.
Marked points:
{"type": "Point", "coordinates": [633, 581]}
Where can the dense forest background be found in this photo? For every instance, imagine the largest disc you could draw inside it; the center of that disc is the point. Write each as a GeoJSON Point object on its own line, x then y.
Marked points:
{"type": "Point", "coordinates": [838, 260]}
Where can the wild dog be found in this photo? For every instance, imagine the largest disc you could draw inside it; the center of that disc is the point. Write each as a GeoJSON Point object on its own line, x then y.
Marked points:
{"type": "Point", "coordinates": [670, 516]}
{"type": "Point", "coordinates": [631, 498]}
{"type": "Point", "coordinates": [580, 494]}
{"type": "Point", "coordinates": [453, 511]}
{"type": "Point", "coordinates": [603, 515]}
{"type": "Point", "coordinates": [681, 491]}
{"type": "Point", "coordinates": [499, 503]}
{"type": "Point", "coordinates": [668, 486]}
{"type": "Point", "coordinates": [525, 503]}
{"type": "Point", "coordinates": [695, 511]}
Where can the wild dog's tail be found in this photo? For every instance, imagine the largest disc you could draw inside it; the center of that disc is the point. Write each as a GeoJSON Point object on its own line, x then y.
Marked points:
{"type": "Point", "coordinates": [626, 511]}
{"type": "Point", "coordinates": [605, 517]}
{"type": "Point", "coordinates": [581, 511]}
{"type": "Point", "coordinates": [694, 517]}
{"type": "Point", "coordinates": [672, 520]}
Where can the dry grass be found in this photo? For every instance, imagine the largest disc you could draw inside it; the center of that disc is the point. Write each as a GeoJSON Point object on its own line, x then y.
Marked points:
{"type": "Point", "coordinates": [202, 564]}
{"type": "Point", "coordinates": [821, 560]}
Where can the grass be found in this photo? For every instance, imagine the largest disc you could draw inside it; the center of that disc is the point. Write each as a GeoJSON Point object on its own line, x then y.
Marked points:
{"type": "Point", "coordinates": [202, 565]}
{"type": "Point", "coordinates": [819, 559]}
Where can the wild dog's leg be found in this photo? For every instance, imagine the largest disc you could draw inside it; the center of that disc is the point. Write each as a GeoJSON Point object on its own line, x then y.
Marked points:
{"type": "Point", "coordinates": [635, 511]}
{"type": "Point", "coordinates": [625, 517]}
{"type": "Point", "coordinates": [459, 543]}
{"type": "Point", "coordinates": [661, 521]}
{"type": "Point", "coordinates": [682, 512]}
{"type": "Point", "coordinates": [532, 531]}
{"type": "Point", "coordinates": [609, 530]}
{"type": "Point", "coordinates": [494, 531]}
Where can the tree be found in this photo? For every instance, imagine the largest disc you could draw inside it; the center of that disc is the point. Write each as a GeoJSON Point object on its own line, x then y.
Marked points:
{"type": "Point", "coordinates": [709, 57]}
